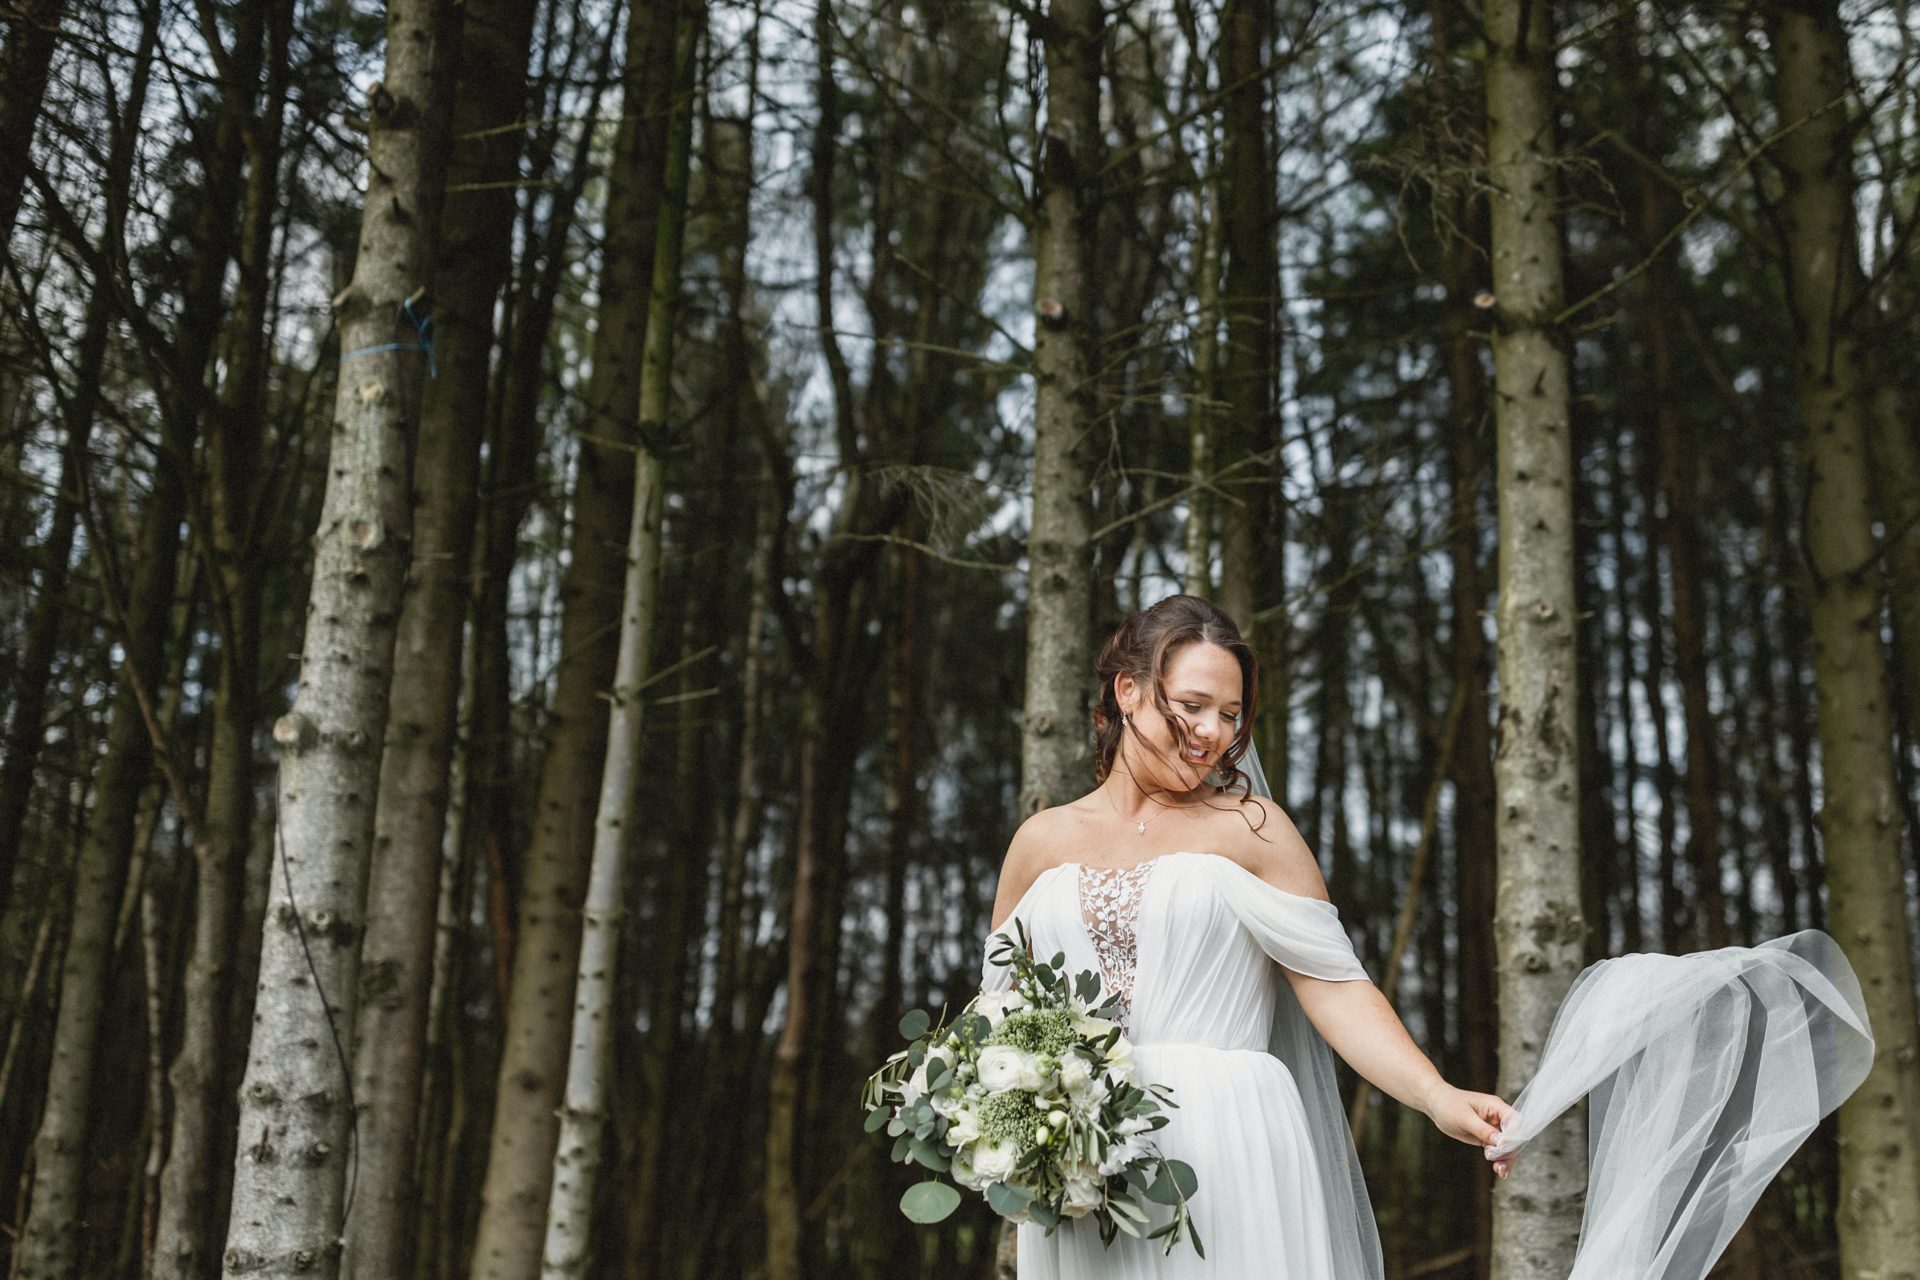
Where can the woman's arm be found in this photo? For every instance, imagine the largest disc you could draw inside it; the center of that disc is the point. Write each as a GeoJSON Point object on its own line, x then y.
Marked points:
{"type": "Point", "coordinates": [1360, 1026]}
{"type": "Point", "coordinates": [1354, 1017]}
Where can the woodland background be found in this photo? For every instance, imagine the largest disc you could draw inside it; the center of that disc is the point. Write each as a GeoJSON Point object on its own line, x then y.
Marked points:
{"type": "Point", "coordinates": [926, 338]}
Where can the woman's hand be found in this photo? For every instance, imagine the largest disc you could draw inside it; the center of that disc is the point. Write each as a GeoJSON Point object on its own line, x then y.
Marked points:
{"type": "Point", "coordinates": [1475, 1118]}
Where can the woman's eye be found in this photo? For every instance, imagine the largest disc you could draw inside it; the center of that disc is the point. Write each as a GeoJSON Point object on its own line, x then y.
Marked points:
{"type": "Point", "coordinates": [1191, 706]}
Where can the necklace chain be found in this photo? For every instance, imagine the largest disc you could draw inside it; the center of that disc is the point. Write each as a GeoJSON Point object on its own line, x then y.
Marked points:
{"type": "Point", "coordinates": [1139, 824]}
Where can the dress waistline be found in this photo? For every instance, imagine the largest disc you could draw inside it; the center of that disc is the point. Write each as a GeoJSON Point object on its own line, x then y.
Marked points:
{"type": "Point", "coordinates": [1196, 1044]}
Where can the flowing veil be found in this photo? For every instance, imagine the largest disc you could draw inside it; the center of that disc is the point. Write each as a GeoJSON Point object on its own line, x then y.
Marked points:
{"type": "Point", "coordinates": [1703, 1073]}
{"type": "Point", "coordinates": [1295, 1041]}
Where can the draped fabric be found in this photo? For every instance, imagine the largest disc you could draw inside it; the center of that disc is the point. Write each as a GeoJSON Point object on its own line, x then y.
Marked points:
{"type": "Point", "coordinates": [1703, 1072]}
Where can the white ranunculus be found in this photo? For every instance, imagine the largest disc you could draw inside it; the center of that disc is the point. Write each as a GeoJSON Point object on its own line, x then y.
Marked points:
{"type": "Point", "coordinates": [1091, 1026]}
{"type": "Point", "coordinates": [1003, 1067]}
{"type": "Point", "coordinates": [965, 1127]}
{"type": "Point", "coordinates": [995, 1163]}
{"type": "Point", "coordinates": [1123, 1153]}
{"type": "Point", "coordinates": [914, 1087]}
{"type": "Point", "coordinates": [1078, 1080]}
{"type": "Point", "coordinates": [963, 1171]}
{"type": "Point", "coordinates": [995, 1005]}
{"type": "Point", "coordinates": [1083, 1196]}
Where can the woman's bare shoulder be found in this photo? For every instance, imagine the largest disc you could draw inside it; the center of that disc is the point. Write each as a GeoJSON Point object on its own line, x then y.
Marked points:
{"type": "Point", "coordinates": [1258, 834]}
{"type": "Point", "coordinates": [1046, 839]}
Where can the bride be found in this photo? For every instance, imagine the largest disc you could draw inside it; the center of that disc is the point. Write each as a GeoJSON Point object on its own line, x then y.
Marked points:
{"type": "Point", "coordinates": [1193, 896]}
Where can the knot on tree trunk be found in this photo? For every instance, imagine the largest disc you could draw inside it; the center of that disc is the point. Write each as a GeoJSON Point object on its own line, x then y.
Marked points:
{"type": "Point", "coordinates": [295, 732]}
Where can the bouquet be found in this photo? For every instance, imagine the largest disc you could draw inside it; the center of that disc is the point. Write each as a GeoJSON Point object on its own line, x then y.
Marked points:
{"type": "Point", "coordinates": [1030, 1097]}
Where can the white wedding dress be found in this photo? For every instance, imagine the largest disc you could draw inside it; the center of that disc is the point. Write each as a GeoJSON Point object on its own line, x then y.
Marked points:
{"type": "Point", "coordinates": [1705, 1072]}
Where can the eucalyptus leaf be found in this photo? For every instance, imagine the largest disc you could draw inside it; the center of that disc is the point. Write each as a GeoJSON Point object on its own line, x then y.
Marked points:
{"type": "Point", "coordinates": [1183, 1176]}
{"type": "Point", "coordinates": [929, 1155]}
{"type": "Point", "coordinates": [1008, 1200]}
{"type": "Point", "coordinates": [928, 1202]}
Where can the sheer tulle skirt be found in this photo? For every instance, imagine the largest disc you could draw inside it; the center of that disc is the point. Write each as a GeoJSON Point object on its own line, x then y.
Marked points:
{"type": "Point", "coordinates": [1241, 1125]}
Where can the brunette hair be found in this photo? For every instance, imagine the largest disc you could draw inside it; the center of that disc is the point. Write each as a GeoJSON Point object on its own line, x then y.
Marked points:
{"type": "Point", "coordinates": [1142, 647]}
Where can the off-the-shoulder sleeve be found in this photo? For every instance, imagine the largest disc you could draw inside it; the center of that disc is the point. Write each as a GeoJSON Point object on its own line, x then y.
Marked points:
{"type": "Point", "coordinates": [996, 977]}
{"type": "Point", "coordinates": [1704, 1072]}
{"type": "Point", "coordinates": [1304, 934]}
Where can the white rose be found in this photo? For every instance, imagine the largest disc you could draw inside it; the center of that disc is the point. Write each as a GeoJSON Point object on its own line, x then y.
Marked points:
{"type": "Point", "coordinates": [1003, 1067]}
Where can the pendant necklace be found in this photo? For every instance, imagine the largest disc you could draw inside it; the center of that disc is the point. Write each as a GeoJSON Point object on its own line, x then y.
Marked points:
{"type": "Point", "coordinates": [1140, 825]}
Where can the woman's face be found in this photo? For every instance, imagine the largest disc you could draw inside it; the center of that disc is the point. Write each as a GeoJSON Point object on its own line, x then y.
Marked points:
{"type": "Point", "coordinates": [1203, 688]}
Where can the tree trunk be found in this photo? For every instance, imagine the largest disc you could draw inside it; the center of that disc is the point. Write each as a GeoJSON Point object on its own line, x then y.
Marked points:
{"type": "Point", "coordinates": [1896, 477]}
{"type": "Point", "coordinates": [397, 952]}
{"type": "Point", "coordinates": [546, 938]}
{"type": "Point", "coordinates": [1473, 808]}
{"type": "Point", "coordinates": [50, 1239]}
{"type": "Point", "coordinates": [1671, 479]}
{"type": "Point", "coordinates": [1249, 298]}
{"type": "Point", "coordinates": [1677, 909]}
{"type": "Point", "coordinates": [1539, 933]}
{"type": "Point", "coordinates": [200, 1132]}
{"type": "Point", "coordinates": [1202, 410]}
{"type": "Point", "coordinates": [546, 941]}
{"type": "Point", "coordinates": [734, 139]}
{"type": "Point", "coordinates": [26, 727]}
{"type": "Point", "coordinates": [1860, 820]}
{"type": "Point", "coordinates": [24, 64]}
{"type": "Point", "coordinates": [295, 1107]}
{"type": "Point", "coordinates": [50, 1243]}
{"type": "Point", "coordinates": [576, 1162]}
{"type": "Point", "coordinates": [1055, 739]}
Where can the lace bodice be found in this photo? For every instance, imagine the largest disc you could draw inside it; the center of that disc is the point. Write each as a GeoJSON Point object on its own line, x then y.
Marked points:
{"type": "Point", "coordinates": [1110, 905]}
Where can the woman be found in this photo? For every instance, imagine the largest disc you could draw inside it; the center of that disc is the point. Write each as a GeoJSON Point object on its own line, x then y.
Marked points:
{"type": "Point", "coordinates": [1201, 906]}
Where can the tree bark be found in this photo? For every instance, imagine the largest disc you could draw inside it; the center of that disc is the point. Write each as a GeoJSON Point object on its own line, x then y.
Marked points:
{"type": "Point", "coordinates": [1879, 1211]}
{"type": "Point", "coordinates": [396, 967]}
{"type": "Point", "coordinates": [295, 1107]}
{"type": "Point", "coordinates": [1055, 740]}
{"type": "Point", "coordinates": [1538, 930]}
{"type": "Point", "coordinates": [546, 937]}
